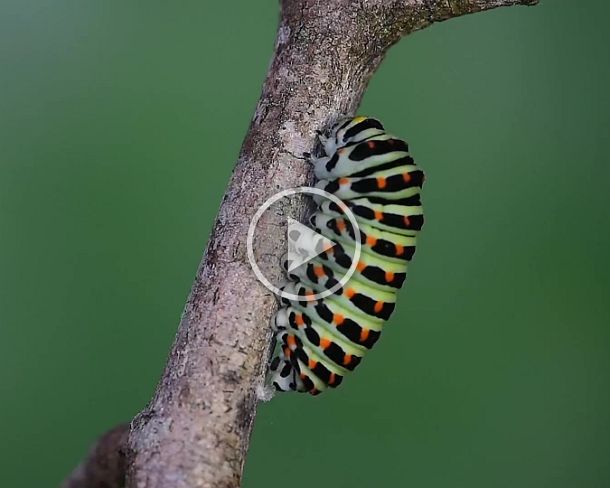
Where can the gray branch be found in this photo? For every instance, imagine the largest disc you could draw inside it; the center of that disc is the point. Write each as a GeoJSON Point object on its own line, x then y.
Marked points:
{"type": "Point", "coordinates": [196, 430]}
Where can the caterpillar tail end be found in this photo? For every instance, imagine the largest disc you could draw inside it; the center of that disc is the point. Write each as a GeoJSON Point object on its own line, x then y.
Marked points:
{"type": "Point", "coordinates": [282, 375]}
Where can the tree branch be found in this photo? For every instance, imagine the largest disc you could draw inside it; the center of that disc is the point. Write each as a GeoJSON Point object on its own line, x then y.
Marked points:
{"type": "Point", "coordinates": [195, 432]}
{"type": "Point", "coordinates": [105, 464]}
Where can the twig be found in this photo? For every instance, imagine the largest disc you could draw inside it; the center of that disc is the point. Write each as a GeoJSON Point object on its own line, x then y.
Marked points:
{"type": "Point", "coordinates": [196, 430]}
{"type": "Point", "coordinates": [105, 464]}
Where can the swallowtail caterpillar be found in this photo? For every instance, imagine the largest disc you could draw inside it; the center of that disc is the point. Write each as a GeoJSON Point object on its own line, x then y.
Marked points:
{"type": "Point", "coordinates": [317, 342]}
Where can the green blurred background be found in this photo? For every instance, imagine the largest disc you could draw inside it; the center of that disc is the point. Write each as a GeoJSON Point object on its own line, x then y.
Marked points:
{"type": "Point", "coordinates": [120, 123]}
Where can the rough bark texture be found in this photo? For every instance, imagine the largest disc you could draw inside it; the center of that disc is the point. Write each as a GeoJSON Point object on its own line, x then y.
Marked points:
{"type": "Point", "coordinates": [195, 431]}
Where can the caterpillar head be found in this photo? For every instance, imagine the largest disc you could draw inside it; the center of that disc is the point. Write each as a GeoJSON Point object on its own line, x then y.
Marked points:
{"type": "Point", "coordinates": [350, 130]}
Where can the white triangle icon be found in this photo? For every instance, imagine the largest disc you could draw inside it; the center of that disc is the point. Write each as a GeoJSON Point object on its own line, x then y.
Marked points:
{"type": "Point", "coordinates": [304, 244]}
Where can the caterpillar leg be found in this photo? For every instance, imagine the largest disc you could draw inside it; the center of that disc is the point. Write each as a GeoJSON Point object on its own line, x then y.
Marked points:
{"type": "Point", "coordinates": [280, 321]}
{"type": "Point", "coordinates": [322, 139]}
{"type": "Point", "coordinates": [319, 162]}
{"type": "Point", "coordinates": [282, 373]}
{"type": "Point", "coordinates": [285, 263]}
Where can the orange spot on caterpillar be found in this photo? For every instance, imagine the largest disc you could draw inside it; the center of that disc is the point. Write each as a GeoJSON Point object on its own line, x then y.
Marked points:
{"type": "Point", "coordinates": [319, 271]}
{"type": "Point", "coordinates": [325, 343]}
{"type": "Point", "coordinates": [371, 144]}
{"type": "Point", "coordinates": [338, 319]}
{"type": "Point", "coordinates": [344, 181]}
{"type": "Point", "coordinates": [299, 320]}
{"type": "Point", "coordinates": [400, 249]}
{"type": "Point", "coordinates": [287, 352]}
{"type": "Point", "coordinates": [291, 341]}
{"type": "Point", "coordinates": [371, 241]}
{"type": "Point", "coordinates": [309, 296]}
{"type": "Point", "coordinates": [332, 379]}
{"type": "Point", "coordinates": [341, 225]}
{"type": "Point", "coordinates": [407, 221]}
{"type": "Point", "coordinates": [328, 248]}
{"type": "Point", "coordinates": [378, 215]}
{"type": "Point", "coordinates": [406, 177]}
{"type": "Point", "coordinates": [360, 266]}
{"type": "Point", "coordinates": [364, 335]}
{"type": "Point", "coordinates": [347, 359]}
{"type": "Point", "coordinates": [378, 307]}
{"type": "Point", "coordinates": [312, 364]}
{"type": "Point", "coordinates": [349, 292]}
{"type": "Point", "coordinates": [389, 276]}
{"type": "Point", "coordinates": [381, 183]}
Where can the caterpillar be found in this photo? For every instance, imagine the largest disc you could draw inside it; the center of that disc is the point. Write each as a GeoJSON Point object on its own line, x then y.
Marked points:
{"type": "Point", "coordinates": [317, 342]}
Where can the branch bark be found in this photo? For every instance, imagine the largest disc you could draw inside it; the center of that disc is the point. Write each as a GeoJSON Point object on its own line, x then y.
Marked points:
{"type": "Point", "coordinates": [195, 431]}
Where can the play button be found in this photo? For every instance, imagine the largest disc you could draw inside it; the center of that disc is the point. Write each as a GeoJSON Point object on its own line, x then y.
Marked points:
{"type": "Point", "coordinates": [303, 243]}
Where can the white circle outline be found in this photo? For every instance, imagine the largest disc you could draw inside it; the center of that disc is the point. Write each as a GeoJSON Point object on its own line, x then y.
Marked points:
{"type": "Point", "coordinates": [312, 191]}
